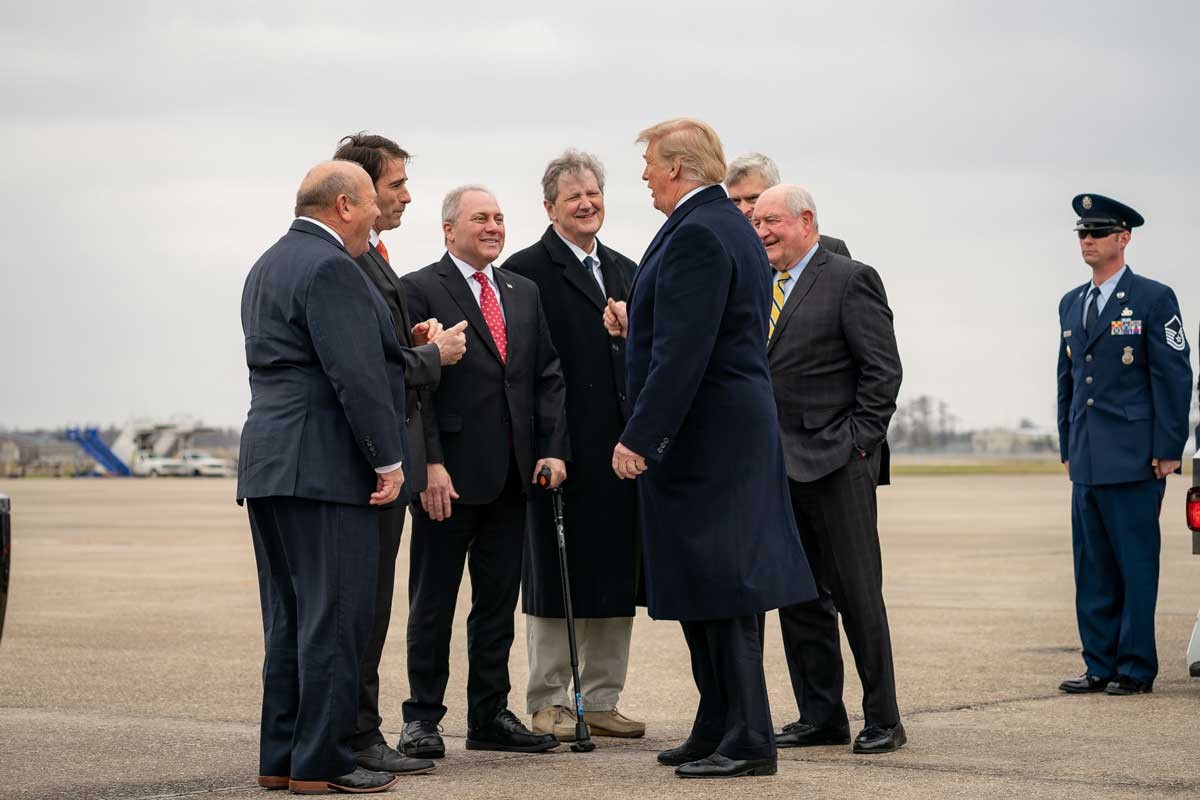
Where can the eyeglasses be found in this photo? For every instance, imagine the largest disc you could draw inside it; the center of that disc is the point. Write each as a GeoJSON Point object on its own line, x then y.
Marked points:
{"type": "Point", "coordinates": [1099, 233]}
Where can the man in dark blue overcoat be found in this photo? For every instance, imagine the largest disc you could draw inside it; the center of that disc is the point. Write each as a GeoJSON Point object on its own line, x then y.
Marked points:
{"type": "Point", "coordinates": [720, 541]}
{"type": "Point", "coordinates": [1124, 388]}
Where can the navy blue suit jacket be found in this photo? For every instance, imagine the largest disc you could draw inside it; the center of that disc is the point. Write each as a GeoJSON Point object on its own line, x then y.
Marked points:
{"type": "Point", "coordinates": [1124, 388]}
{"type": "Point", "coordinates": [326, 375]}
{"type": "Point", "coordinates": [719, 536]}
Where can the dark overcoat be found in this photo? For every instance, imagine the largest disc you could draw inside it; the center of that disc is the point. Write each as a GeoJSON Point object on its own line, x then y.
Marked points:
{"type": "Point", "coordinates": [719, 537]}
{"type": "Point", "coordinates": [603, 544]}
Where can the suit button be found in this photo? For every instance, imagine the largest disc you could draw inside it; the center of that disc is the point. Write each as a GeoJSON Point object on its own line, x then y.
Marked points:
{"type": "Point", "coordinates": [1088, 358]}
{"type": "Point", "coordinates": [1091, 402]}
{"type": "Point", "coordinates": [616, 347]}
{"type": "Point", "coordinates": [621, 397]}
{"type": "Point", "coordinates": [1089, 379]}
{"type": "Point", "coordinates": [507, 385]}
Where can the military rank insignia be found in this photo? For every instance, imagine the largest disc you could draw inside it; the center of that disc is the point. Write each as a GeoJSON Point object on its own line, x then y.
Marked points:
{"type": "Point", "coordinates": [1127, 327]}
{"type": "Point", "coordinates": [1174, 332]}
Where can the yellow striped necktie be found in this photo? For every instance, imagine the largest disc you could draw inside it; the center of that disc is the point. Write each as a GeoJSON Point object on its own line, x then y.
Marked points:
{"type": "Point", "coordinates": [777, 299]}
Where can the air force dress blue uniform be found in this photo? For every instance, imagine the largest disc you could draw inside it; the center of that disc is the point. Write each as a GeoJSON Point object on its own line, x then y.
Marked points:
{"type": "Point", "coordinates": [1124, 390]}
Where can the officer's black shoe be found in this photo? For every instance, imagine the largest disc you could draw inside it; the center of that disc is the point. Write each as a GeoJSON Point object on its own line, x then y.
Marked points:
{"type": "Point", "coordinates": [718, 766]}
{"type": "Point", "coordinates": [506, 733]}
{"type": "Point", "coordinates": [360, 781]}
{"type": "Point", "coordinates": [1194, 669]}
{"type": "Point", "coordinates": [381, 758]}
{"type": "Point", "coordinates": [689, 751]}
{"type": "Point", "coordinates": [1084, 684]}
{"type": "Point", "coordinates": [421, 739]}
{"type": "Point", "coordinates": [1123, 684]}
{"type": "Point", "coordinates": [878, 739]}
{"type": "Point", "coordinates": [802, 734]}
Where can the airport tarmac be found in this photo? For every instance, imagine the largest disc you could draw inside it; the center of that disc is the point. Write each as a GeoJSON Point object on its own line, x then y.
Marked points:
{"type": "Point", "coordinates": [130, 663]}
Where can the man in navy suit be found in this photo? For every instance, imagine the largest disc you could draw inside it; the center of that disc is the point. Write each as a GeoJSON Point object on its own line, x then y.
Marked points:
{"type": "Point", "coordinates": [702, 440]}
{"type": "Point", "coordinates": [1124, 389]}
{"type": "Point", "coordinates": [322, 447]}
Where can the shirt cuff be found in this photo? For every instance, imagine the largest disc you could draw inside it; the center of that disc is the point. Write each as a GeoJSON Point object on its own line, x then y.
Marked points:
{"type": "Point", "coordinates": [389, 468]}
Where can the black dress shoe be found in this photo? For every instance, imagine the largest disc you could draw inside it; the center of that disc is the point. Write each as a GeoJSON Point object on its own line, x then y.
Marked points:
{"type": "Point", "coordinates": [878, 739]}
{"type": "Point", "coordinates": [718, 766]}
{"type": "Point", "coordinates": [508, 734]}
{"type": "Point", "coordinates": [802, 734]}
{"type": "Point", "coordinates": [686, 753]}
{"type": "Point", "coordinates": [421, 739]}
{"type": "Point", "coordinates": [1084, 684]}
{"type": "Point", "coordinates": [1123, 684]}
{"type": "Point", "coordinates": [361, 781]}
{"type": "Point", "coordinates": [1194, 670]}
{"type": "Point", "coordinates": [381, 758]}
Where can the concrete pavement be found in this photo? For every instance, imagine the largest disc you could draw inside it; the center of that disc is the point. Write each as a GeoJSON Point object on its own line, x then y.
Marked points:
{"type": "Point", "coordinates": [130, 661]}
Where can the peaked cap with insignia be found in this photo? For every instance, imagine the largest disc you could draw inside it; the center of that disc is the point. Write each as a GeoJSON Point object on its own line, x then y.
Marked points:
{"type": "Point", "coordinates": [1097, 212]}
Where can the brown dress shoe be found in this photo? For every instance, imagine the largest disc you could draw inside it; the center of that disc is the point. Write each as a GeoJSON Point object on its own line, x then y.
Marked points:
{"type": "Point", "coordinates": [273, 781]}
{"type": "Point", "coordinates": [613, 723]}
{"type": "Point", "coordinates": [559, 721]}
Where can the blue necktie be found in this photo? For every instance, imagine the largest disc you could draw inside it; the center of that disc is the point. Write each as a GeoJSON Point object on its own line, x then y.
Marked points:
{"type": "Point", "coordinates": [1093, 311]}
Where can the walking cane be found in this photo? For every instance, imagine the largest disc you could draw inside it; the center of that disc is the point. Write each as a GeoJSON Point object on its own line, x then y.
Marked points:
{"type": "Point", "coordinates": [583, 740]}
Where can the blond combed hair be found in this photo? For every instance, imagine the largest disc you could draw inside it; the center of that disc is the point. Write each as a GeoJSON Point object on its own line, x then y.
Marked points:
{"type": "Point", "coordinates": [692, 143]}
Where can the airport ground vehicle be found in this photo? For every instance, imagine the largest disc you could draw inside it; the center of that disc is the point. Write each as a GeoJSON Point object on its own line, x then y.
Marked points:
{"type": "Point", "coordinates": [203, 465]}
{"type": "Point", "coordinates": [1193, 521]}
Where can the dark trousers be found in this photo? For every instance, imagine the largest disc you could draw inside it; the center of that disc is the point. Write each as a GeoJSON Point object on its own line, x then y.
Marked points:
{"type": "Point", "coordinates": [366, 729]}
{"type": "Point", "coordinates": [316, 581]}
{"type": "Point", "coordinates": [1116, 539]}
{"type": "Point", "coordinates": [837, 518]}
{"type": "Point", "coordinates": [488, 539]}
{"type": "Point", "coordinates": [734, 713]}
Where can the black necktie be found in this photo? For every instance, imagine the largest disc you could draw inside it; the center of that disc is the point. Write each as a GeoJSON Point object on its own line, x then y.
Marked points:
{"type": "Point", "coordinates": [1093, 311]}
{"type": "Point", "coordinates": [590, 262]}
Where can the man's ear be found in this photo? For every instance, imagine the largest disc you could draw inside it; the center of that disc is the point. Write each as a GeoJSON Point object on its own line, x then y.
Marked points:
{"type": "Point", "coordinates": [447, 232]}
{"type": "Point", "coordinates": [342, 206]}
{"type": "Point", "coordinates": [549, 210]}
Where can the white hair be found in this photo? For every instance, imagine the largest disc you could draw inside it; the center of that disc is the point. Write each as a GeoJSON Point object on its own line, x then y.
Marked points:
{"type": "Point", "coordinates": [453, 199]}
{"type": "Point", "coordinates": [742, 166]}
{"type": "Point", "coordinates": [798, 200]}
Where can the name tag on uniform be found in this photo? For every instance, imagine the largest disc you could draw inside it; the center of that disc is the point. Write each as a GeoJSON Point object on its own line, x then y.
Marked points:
{"type": "Point", "coordinates": [1127, 327]}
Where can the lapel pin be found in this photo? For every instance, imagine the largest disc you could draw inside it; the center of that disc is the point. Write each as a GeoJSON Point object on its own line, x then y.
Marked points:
{"type": "Point", "coordinates": [509, 285]}
{"type": "Point", "coordinates": [1127, 359]}
{"type": "Point", "coordinates": [1128, 312]}
{"type": "Point", "coordinates": [1120, 295]}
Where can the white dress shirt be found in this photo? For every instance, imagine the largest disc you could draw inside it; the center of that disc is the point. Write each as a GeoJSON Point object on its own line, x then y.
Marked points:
{"type": "Point", "coordinates": [694, 192]}
{"type": "Point", "coordinates": [468, 271]}
{"type": "Point", "coordinates": [584, 256]}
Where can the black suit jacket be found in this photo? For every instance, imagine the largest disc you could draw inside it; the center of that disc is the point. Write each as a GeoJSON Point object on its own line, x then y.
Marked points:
{"type": "Point", "coordinates": [422, 365]}
{"type": "Point", "coordinates": [834, 245]}
{"type": "Point", "coordinates": [487, 411]}
{"type": "Point", "coordinates": [603, 546]}
{"type": "Point", "coordinates": [835, 367]}
{"type": "Point", "coordinates": [326, 375]}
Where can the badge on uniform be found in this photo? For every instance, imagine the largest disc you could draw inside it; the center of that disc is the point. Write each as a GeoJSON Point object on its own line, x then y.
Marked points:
{"type": "Point", "coordinates": [1126, 327]}
{"type": "Point", "coordinates": [1174, 331]}
{"type": "Point", "coordinates": [1127, 359]}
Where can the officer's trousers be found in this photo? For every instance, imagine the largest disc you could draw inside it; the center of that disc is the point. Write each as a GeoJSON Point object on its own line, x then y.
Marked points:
{"type": "Point", "coordinates": [1116, 539]}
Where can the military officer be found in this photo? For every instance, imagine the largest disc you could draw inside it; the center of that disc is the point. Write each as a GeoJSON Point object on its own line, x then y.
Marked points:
{"type": "Point", "coordinates": [1124, 388]}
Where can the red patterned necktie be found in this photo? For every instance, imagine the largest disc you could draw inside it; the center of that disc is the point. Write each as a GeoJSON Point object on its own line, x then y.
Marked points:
{"type": "Point", "coordinates": [382, 251]}
{"type": "Point", "coordinates": [492, 316]}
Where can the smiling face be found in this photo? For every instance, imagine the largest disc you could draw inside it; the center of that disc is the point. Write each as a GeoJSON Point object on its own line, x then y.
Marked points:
{"type": "Point", "coordinates": [786, 238]}
{"type": "Point", "coordinates": [477, 235]}
{"type": "Point", "coordinates": [392, 195]}
{"type": "Point", "coordinates": [745, 192]}
{"type": "Point", "coordinates": [660, 176]}
{"type": "Point", "coordinates": [578, 211]}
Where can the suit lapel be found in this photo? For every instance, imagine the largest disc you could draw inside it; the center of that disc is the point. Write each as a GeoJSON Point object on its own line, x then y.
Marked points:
{"type": "Point", "coordinates": [803, 286]}
{"type": "Point", "coordinates": [1111, 311]}
{"type": "Point", "coordinates": [390, 274]}
{"type": "Point", "coordinates": [614, 281]}
{"type": "Point", "coordinates": [460, 293]}
{"type": "Point", "coordinates": [514, 311]}
{"type": "Point", "coordinates": [573, 270]}
{"type": "Point", "coordinates": [677, 216]}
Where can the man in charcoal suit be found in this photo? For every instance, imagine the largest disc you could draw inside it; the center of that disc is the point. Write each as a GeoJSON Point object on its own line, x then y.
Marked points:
{"type": "Point", "coordinates": [426, 348]}
{"type": "Point", "coordinates": [322, 447]}
{"type": "Point", "coordinates": [836, 372]}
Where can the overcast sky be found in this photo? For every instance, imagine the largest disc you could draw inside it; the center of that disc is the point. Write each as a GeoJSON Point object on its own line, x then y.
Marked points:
{"type": "Point", "coordinates": [151, 152]}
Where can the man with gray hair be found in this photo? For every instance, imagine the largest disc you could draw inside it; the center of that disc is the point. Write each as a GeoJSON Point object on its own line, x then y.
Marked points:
{"type": "Point", "coordinates": [751, 175]}
{"type": "Point", "coordinates": [499, 420]}
{"type": "Point", "coordinates": [576, 274]}
{"type": "Point", "coordinates": [836, 372]}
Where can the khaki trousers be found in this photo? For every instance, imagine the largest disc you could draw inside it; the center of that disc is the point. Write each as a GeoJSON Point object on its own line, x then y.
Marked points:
{"type": "Point", "coordinates": [603, 662]}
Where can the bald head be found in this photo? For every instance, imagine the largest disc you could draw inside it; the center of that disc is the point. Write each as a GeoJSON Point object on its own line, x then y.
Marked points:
{"type": "Point", "coordinates": [341, 195]}
{"type": "Point", "coordinates": [785, 217]}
